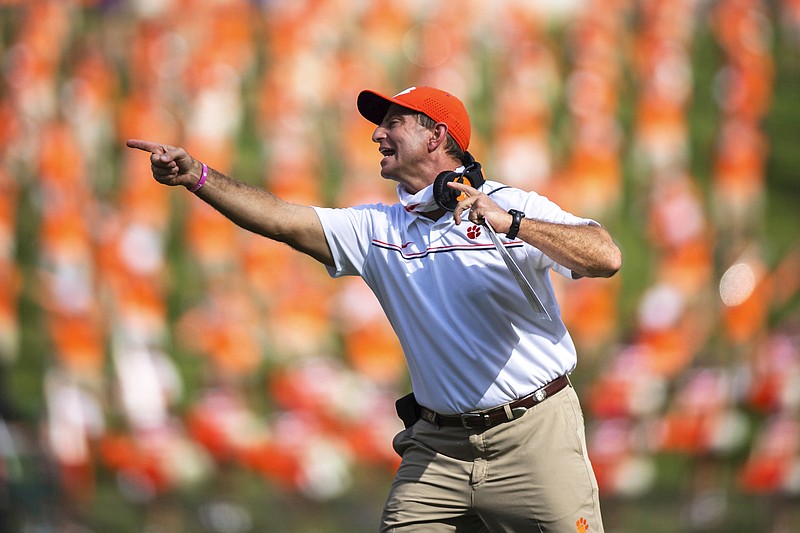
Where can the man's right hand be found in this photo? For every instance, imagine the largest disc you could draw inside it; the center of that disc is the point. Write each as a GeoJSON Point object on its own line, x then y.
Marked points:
{"type": "Point", "coordinates": [170, 165]}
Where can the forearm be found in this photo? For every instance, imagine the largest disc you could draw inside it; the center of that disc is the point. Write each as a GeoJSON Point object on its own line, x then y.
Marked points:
{"type": "Point", "coordinates": [247, 206]}
{"type": "Point", "coordinates": [587, 250]}
{"type": "Point", "coordinates": [256, 209]}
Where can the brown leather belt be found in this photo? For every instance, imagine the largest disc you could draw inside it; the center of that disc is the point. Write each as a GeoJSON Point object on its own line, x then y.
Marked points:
{"type": "Point", "coordinates": [496, 415]}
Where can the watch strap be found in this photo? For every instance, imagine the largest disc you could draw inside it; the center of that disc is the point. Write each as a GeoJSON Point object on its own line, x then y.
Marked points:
{"type": "Point", "coordinates": [515, 223]}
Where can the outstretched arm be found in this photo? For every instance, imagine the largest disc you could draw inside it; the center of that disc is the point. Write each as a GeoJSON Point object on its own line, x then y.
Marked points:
{"type": "Point", "coordinates": [586, 250]}
{"type": "Point", "coordinates": [252, 208]}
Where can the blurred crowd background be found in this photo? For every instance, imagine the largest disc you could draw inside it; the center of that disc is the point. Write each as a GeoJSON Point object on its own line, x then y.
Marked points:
{"type": "Point", "coordinates": [162, 370]}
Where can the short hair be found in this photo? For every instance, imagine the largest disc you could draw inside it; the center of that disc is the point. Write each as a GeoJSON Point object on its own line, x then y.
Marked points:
{"type": "Point", "coordinates": [451, 147]}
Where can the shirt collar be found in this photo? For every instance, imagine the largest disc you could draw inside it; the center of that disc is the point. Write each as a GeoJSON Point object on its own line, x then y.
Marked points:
{"type": "Point", "coordinates": [420, 202]}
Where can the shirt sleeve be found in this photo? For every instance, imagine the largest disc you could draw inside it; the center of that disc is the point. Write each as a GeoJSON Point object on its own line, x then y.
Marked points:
{"type": "Point", "coordinates": [349, 233]}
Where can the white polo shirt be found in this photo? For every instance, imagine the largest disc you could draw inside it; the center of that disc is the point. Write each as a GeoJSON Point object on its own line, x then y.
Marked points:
{"type": "Point", "coordinates": [471, 339]}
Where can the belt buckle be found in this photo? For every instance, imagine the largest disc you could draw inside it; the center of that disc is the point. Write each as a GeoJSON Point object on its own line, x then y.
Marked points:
{"type": "Point", "coordinates": [540, 395]}
{"type": "Point", "coordinates": [474, 416]}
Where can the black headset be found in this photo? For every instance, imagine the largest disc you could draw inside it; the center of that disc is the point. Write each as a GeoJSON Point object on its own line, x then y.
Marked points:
{"type": "Point", "coordinates": [448, 198]}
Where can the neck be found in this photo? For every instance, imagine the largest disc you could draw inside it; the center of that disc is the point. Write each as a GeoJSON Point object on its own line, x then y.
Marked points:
{"type": "Point", "coordinates": [437, 165]}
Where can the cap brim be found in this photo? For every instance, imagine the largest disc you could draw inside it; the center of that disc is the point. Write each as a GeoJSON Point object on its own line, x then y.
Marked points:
{"type": "Point", "coordinates": [373, 106]}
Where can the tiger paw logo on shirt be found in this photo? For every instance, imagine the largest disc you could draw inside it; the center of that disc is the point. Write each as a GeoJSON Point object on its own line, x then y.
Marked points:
{"type": "Point", "coordinates": [473, 232]}
{"type": "Point", "coordinates": [581, 525]}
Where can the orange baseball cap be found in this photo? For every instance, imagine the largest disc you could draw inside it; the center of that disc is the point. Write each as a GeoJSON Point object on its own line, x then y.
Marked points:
{"type": "Point", "coordinates": [441, 106]}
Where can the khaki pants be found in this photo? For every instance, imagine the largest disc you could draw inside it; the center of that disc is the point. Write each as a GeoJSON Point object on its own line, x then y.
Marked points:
{"type": "Point", "coordinates": [530, 474]}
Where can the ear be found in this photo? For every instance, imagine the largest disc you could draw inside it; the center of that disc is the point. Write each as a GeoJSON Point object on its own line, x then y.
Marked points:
{"type": "Point", "coordinates": [438, 136]}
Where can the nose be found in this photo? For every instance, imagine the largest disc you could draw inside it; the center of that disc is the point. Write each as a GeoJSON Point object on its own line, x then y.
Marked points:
{"type": "Point", "coordinates": [379, 134]}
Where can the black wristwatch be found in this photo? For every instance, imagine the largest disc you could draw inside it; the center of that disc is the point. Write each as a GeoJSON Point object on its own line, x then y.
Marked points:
{"type": "Point", "coordinates": [514, 229]}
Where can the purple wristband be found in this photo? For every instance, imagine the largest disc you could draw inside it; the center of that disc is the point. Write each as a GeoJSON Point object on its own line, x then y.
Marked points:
{"type": "Point", "coordinates": [203, 177]}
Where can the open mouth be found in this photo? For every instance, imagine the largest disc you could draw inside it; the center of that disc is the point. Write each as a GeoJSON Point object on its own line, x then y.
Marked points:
{"type": "Point", "coordinates": [386, 152]}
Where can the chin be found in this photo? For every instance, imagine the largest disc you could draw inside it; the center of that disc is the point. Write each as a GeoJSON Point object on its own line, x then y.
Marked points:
{"type": "Point", "coordinates": [387, 176]}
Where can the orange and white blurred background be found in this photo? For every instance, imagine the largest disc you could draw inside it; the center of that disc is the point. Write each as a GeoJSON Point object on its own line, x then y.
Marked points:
{"type": "Point", "coordinates": [162, 370]}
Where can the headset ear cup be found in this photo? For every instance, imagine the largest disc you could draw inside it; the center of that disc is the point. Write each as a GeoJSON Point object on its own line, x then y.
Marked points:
{"type": "Point", "coordinates": [445, 197]}
{"type": "Point", "coordinates": [448, 198]}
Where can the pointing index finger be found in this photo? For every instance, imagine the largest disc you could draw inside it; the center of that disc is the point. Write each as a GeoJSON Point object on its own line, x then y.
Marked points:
{"type": "Point", "coordinates": [147, 146]}
{"type": "Point", "coordinates": [463, 187]}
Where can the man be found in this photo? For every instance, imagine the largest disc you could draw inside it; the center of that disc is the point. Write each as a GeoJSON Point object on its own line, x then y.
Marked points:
{"type": "Point", "coordinates": [495, 440]}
